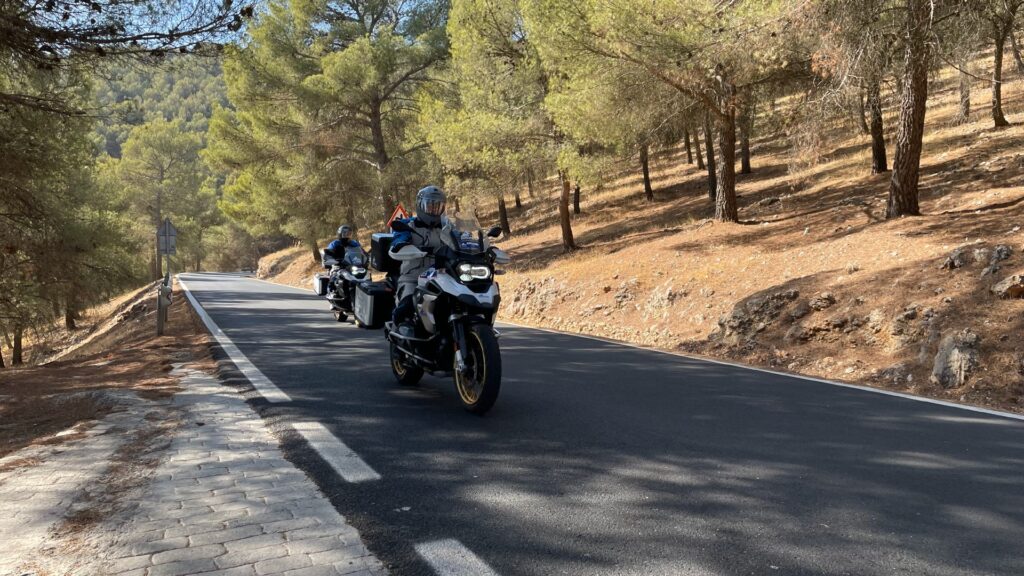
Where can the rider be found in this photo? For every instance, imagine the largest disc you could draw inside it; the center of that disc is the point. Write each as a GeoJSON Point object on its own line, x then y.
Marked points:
{"type": "Point", "coordinates": [430, 230]}
{"type": "Point", "coordinates": [336, 249]}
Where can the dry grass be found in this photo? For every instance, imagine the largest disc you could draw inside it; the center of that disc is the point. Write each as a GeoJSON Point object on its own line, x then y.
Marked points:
{"type": "Point", "coordinates": [40, 401]}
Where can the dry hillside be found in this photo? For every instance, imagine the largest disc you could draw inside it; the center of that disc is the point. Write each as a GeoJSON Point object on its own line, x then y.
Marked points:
{"type": "Point", "coordinates": [90, 369]}
{"type": "Point", "coordinates": [813, 280]}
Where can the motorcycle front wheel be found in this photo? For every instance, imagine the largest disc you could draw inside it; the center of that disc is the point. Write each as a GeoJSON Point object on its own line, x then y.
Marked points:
{"type": "Point", "coordinates": [479, 384]}
{"type": "Point", "coordinates": [406, 374]}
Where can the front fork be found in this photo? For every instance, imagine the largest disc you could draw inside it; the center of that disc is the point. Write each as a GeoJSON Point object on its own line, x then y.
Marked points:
{"type": "Point", "coordinates": [459, 332]}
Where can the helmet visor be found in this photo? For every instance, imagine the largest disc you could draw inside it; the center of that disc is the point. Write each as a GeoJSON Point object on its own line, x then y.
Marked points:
{"type": "Point", "coordinates": [432, 207]}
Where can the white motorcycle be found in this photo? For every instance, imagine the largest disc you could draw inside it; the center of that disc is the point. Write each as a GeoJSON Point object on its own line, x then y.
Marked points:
{"type": "Point", "coordinates": [456, 302]}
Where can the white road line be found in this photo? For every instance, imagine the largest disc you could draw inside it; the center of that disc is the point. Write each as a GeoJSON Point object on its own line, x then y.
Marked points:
{"type": "Point", "coordinates": [263, 385]}
{"type": "Point", "coordinates": [451, 558]}
{"type": "Point", "coordinates": [345, 462]}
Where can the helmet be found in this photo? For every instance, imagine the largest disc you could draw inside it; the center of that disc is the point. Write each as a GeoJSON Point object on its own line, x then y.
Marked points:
{"type": "Point", "coordinates": [430, 205]}
{"type": "Point", "coordinates": [344, 232]}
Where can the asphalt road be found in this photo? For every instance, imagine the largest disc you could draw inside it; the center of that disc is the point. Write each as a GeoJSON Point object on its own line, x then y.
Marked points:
{"type": "Point", "coordinates": [603, 459]}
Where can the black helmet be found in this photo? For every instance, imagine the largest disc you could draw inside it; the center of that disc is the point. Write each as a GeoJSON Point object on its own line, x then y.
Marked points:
{"type": "Point", "coordinates": [430, 203]}
{"type": "Point", "coordinates": [344, 232]}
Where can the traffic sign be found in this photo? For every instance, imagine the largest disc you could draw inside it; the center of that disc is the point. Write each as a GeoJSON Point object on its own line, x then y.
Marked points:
{"type": "Point", "coordinates": [166, 237]}
{"type": "Point", "coordinates": [398, 213]}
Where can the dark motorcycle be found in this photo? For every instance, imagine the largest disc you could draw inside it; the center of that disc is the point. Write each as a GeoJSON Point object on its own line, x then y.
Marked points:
{"type": "Point", "coordinates": [456, 302]}
{"type": "Point", "coordinates": [346, 273]}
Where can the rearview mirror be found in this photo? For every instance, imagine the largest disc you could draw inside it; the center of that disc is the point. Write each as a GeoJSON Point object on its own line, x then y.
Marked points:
{"type": "Point", "coordinates": [494, 232]}
{"type": "Point", "coordinates": [400, 226]}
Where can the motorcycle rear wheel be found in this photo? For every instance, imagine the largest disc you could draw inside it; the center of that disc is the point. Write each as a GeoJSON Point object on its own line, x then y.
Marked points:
{"type": "Point", "coordinates": [478, 387]}
{"type": "Point", "coordinates": [405, 374]}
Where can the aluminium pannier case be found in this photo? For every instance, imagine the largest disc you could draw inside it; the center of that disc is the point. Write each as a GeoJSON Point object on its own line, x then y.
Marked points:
{"type": "Point", "coordinates": [320, 282]}
{"type": "Point", "coordinates": [381, 261]}
{"type": "Point", "coordinates": [374, 303]}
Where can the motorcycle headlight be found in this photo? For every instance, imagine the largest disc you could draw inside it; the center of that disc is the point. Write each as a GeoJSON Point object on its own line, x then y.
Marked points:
{"type": "Point", "coordinates": [469, 272]}
{"type": "Point", "coordinates": [358, 270]}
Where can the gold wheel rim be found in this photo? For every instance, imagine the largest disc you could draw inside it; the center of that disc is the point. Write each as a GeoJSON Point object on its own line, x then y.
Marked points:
{"type": "Point", "coordinates": [396, 364]}
{"type": "Point", "coordinates": [471, 394]}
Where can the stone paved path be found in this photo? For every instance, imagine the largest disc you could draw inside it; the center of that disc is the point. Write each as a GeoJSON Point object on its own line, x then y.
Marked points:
{"type": "Point", "coordinates": [223, 501]}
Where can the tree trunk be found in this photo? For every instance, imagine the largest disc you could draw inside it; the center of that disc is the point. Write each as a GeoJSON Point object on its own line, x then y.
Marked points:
{"type": "Point", "coordinates": [69, 313]}
{"type": "Point", "coordinates": [350, 215]}
{"type": "Point", "coordinates": [1016, 52]}
{"type": "Point", "coordinates": [16, 358]}
{"type": "Point", "coordinates": [906, 162]}
{"type": "Point", "coordinates": [576, 198]}
{"type": "Point", "coordinates": [746, 125]}
{"type": "Point", "coordinates": [199, 250]}
{"type": "Point", "coordinates": [519, 201]}
{"type": "Point", "coordinates": [314, 249]}
{"type": "Point", "coordinates": [879, 163]}
{"type": "Point", "coordinates": [696, 149]}
{"type": "Point", "coordinates": [529, 182]}
{"type": "Point", "coordinates": [689, 152]}
{"type": "Point", "coordinates": [862, 113]}
{"type": "Point", "coordinates": [388, 199]}
{"type": "Point", "coordinates": [568, 243]}
{"type": "Point", "coordinates": [645, 166]}
{"type": "Point", "coordinates": [710, 148]}
{"type": "Point", "coordinates": [963, 113]}
{"type": "Point", "coordinates": [158, 264]}
{"type": "Point", "coordinates": [2, 365]}
{"type": "Point", "coordinates": [503, 216]}
{"type": "Point", "coordinates": [998, 119]}
{"type": "Point", "coordinates": [725, 199]}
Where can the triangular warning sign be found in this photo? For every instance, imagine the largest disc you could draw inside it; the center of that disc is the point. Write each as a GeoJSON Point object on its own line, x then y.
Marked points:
{"type": "Point", "coordinates": [398, 213]}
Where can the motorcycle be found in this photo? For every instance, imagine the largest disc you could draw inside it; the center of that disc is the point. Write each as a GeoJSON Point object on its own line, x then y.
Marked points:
{"type": "Point", "coordinates": [456, 302]}
{"type": "Point", "coordinates": [346, 274]}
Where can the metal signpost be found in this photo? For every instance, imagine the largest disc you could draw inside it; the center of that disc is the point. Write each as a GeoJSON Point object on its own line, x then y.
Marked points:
{"type": "Point", "coordinates": [166, 241]}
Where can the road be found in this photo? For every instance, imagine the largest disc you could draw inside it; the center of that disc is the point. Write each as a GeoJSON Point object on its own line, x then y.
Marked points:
{"type": "Point", "coordinates": [604, 459]}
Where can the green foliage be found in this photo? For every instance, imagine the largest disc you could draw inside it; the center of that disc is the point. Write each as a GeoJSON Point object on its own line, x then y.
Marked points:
{"type": "Point", "coordinates": [62, 242]}
{"type": "Point", "coordinates": [324, 102]}
{"type": "Point", "coordinates": [183, 88]}
{"type": "Point", "coordinates": [490, 128]}
{"type": "Point", "coordinates": [160, 174]}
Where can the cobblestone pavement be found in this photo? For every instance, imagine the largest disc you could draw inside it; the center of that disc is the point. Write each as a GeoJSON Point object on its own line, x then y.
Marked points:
{"type": "Point", "coordinates": [222, 501]}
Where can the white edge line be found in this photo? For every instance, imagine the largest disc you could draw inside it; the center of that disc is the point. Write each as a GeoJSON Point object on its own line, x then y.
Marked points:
{"type": "Point", "coordinates": [263, 385]}
{"type": "Point", "coordinates": [863, 388]}
{"type": "Point", "coordinates": [343, 459]}
{"type": "Point", "coordinates": [450, 558]}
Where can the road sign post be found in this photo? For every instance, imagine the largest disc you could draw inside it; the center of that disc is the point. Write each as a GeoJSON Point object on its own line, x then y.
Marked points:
{"type": "Point", "coordinates": [166, 241]}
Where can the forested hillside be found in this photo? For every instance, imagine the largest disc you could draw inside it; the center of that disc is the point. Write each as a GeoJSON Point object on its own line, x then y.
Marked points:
{"type": "Point", "coordinates": [557, 120]}
{"type": "Point", "coordinates": [185, 89]}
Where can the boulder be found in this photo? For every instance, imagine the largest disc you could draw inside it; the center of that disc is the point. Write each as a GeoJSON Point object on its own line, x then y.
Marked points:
{"type": "Point", "coordinates": [137, 310]}
{"type": "Point", "coordinates": [998, 254]}
{"type": "Point", "coordinates": [896, 374]}
{"type": "Point", "coordinates": [800, 310]}
{"type": "Point", "coordinates": [750, 317]}
{"type": "Point", "coordinates": [822, 301]}
{"type": "Point", "coordinates": [957, 359]}
{"type": "Point", "coordinates": [957, 259]}
{"type": "Point", "coordinates": [1010, 287]}
{"type": "Point", "coordinates": [797, 333]}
